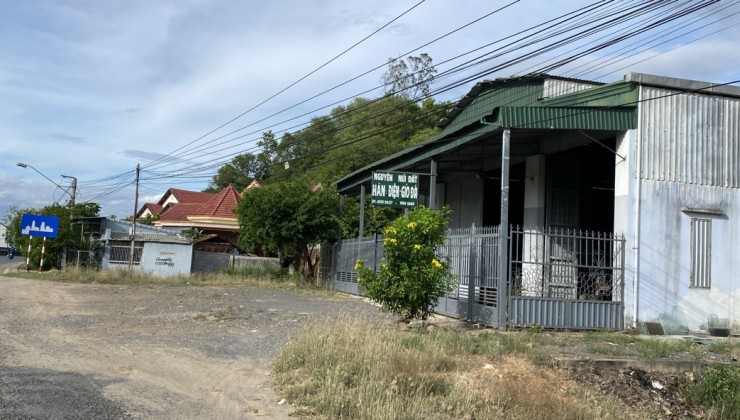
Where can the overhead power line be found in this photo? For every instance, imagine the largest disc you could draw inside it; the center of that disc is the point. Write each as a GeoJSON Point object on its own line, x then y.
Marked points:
{"type": "Point", "coordinates": [303, 77]}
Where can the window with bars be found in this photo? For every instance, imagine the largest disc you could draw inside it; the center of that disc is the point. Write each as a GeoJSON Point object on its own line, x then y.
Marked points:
{"type": "Point", "coordinates": [120, 252]}
{"type": "Point", "coordinates": [701, 253]}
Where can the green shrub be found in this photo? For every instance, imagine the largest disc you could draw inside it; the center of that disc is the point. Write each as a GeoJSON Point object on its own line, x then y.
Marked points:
{"type": "Point", "coordinates": [718, 389]}
{"type": "Point", "coordinates": [413, 277]}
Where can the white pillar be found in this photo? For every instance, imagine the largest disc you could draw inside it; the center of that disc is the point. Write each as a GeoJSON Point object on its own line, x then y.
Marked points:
{"type": "Point", "coordinates": [534, 222]}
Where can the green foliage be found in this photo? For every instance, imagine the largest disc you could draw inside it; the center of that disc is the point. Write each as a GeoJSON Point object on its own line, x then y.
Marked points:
{"type": "Point", "coordinates": [89, 249]}
{"type": "Point", "coordinates": [719, 389]}
{"type": "Point", "coordinates": [654, 348]}
{"type": "Point", "coordinates": [376, 217]}
{"type": "Point", "coordinates": [245, 167]}
{"type": "Point", "coordinates": [288, 219]}
{"type": "Point", "coordinates": [192, 233]}
{"type": "Point", "coordinates": [351, 137]}
{"type": "Point", "coordinates": [67, 235]}
{"type": "Point", "coordinates": [414, 277]}
{"type": "Point", "coordinates": [238, 173]}
{"type": "Point", "coordinates": [149, 219]}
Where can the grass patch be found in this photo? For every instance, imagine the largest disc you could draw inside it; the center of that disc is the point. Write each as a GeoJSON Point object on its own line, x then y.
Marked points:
{"type": "Point", "coordinates": [358, 370]}
{"type": "Point", "coordinates": [724, 346]}
{"type": "Point", "coordinates": [719, 390]}
{"type": "Point", "coordinates": [608, 337]}
{"type": "Point", "coordinates": [240, 277]}
{"type": "Point", "coordinates": [652, 348]}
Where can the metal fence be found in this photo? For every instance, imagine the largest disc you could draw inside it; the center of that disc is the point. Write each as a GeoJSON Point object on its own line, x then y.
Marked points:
{"type": "Point", "coordinates": [557, 278]}
{"type": "Point", "coordinates": [566, 278]}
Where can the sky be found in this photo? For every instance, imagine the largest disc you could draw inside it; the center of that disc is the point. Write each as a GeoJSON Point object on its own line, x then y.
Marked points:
{"type": "Point", "coordinates": [91, 88]}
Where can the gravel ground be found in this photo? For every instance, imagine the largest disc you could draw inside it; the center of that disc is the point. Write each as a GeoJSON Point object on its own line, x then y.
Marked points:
{"type": "Point", "coordinates": [106, 351]}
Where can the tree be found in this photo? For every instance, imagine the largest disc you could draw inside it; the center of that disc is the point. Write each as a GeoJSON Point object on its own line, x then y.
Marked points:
{"type": "Point", "coordinates": [238, 173]}
{"type": "Point", "coordinates": [376, 217]}
{"type": "Point", "coordinates": [289, 220]}
{"type": "Point", "coordinates": [410, 78]}
{"type": "Point", "coordinates": [413, 277]}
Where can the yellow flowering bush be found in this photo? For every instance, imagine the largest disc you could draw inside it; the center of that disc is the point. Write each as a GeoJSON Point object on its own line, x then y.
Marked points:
{"type": "Point", "coordinates": [413, 277]}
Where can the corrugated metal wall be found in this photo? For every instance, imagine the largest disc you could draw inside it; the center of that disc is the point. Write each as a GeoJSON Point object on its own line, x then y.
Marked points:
{"type": "Point", "coordinates": [690, 138]}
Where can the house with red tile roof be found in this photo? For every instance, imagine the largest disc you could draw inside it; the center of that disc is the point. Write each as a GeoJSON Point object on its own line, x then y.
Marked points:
{"type": "Point", "coordinates": [149, 210]}
{"type": "Point", "coordinates": [211, 214]}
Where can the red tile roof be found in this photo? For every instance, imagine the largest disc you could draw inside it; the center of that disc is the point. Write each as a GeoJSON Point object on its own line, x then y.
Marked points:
{"type": "Point", "coordinates": [222, 205]}
{"type": "Point", "coordinates": [178, 212]}
{"type": "Point", "coordinates": [155, 209]}
{"type": "Point", "coordinates": [185, 196]}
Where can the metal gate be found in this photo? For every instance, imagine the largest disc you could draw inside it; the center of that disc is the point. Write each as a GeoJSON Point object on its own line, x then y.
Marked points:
{"type": "Point", "coordinates": [566, 278]}
{"type": "Point", "coordinates": [558, 278]}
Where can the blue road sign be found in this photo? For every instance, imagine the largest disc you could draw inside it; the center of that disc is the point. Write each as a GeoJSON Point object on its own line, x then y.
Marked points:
{"type": "Point", "coordinates": [37, 225]}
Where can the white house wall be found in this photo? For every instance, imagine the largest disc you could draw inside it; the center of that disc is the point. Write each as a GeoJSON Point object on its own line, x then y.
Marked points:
{"type": "Point", "coordinates": [689, 166]}
{"type": "Point", "coordinates": [665, 253]}
{"type": "Point", "coordinates": [162, 259]}
{"type": "Point", "coordinates": [625, 188]}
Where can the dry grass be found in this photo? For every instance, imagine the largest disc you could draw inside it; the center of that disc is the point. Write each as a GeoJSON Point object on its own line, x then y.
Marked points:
{"type": "Point", "coordinates": [355, 370]}
{"type": "Point", "coordinates": [126, 277]}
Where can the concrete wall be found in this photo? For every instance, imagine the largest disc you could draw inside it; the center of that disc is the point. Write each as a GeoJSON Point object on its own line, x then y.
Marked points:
{"type": "Point", "coordinates": [256, 262]}
{"type": "Point", "coordinates": [665, 253]}
{"type": "Point", "coordinates": [208, 262]}
{"type": "Point", "coordinates": [166, 259]}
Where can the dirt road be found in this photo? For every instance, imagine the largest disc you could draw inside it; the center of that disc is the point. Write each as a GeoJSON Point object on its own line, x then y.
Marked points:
{"type": "Point", "coordinates": [165, 352]}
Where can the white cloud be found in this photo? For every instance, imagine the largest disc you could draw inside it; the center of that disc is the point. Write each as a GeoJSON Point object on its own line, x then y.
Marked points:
{"type": "Point", "coordinates": [100, 86]}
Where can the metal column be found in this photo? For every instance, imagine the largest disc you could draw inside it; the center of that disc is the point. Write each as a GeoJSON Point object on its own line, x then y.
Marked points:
{"type": "Point", "coordinates": [433, 185]}
{"type": "Point", "coordinates": [362, 211]}
{"type": "Point", "coordinates": [503, 244]}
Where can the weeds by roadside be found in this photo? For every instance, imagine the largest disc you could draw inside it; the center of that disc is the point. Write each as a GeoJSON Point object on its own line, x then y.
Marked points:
{"type": "Point", "coordinates": [246, 276]}
{"type": "Point", "coordinates": [718, 389]}
{"type": "Point", "coordinates": [354, 370]}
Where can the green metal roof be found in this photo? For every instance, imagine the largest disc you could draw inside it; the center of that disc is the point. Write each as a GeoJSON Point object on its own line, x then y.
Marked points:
{"type": "Point", "coordinates": [565, 118]}
{"type": "Point", "coordinates": [515, 104]}
{"type": "Point", "coordinates": [434, 146]}
{"type": "Point", "coordinates": [512, 94]}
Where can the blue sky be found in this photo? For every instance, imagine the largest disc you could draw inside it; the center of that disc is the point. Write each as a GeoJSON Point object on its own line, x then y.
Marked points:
{"type": "Point", "coordinates": [91, 88]}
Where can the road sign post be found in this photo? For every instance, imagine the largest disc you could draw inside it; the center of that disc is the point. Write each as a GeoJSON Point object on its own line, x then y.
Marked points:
{"type": "Point", "coordinates": [38, 225]}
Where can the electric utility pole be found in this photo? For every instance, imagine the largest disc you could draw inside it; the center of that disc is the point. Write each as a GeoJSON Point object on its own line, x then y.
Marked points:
{"type": "Point", "coordinates": [73, 194]}
{"type": "Point", "coordinates": [133, 226]}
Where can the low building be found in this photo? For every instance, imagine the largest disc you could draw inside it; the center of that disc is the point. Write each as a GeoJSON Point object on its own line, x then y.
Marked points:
{"type": "Point", "coordinates": [616, 204]}
{"type": "Point", "coordinates": [156, 251]}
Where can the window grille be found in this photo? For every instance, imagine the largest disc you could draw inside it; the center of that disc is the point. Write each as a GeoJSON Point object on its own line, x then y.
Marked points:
{"type": "Point", "coordinates": [121, 250]}
{"type": "Point", "coordinates": [701, 253]}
